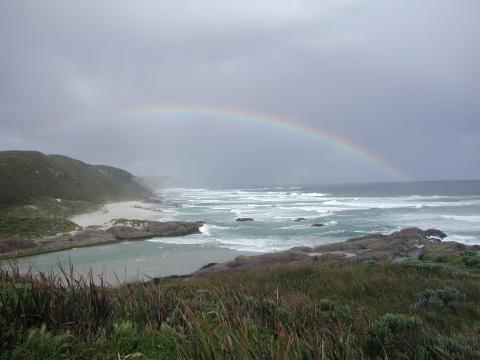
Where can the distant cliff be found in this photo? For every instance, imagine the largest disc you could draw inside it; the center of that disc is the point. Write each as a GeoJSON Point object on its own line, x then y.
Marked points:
{"type": "Point", "coordinates": [26, 175]}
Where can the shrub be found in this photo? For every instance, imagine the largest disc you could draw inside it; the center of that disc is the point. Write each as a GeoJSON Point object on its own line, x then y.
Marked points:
{"type": "Point", "coordinates": [392, 335]}
{"type": "Point", "coordinates": [460, 347]}
{"type": "Point", "coordinates": [447, 299]}
{"type": "Point", "coordinates": [471, 259]}
{"type": "Point", "coordinates": [266, 310]}
{"type": "Point", "coordinates": [332, 312]}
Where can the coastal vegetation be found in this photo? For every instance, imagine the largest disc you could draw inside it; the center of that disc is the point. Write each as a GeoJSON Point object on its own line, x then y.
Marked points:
{"type": "Point", "coordinates": [41, 217]}
{"type": "Point", "coordinates": [38, 192]}
{"type": "Point", "coordinates": [27, 175]}
{"type": "Point", "coordinates": [420, 309]}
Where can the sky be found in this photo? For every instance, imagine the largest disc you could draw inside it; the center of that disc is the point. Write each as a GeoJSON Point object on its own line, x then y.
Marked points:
{"type": "Point", "coordinates": [394, 81]}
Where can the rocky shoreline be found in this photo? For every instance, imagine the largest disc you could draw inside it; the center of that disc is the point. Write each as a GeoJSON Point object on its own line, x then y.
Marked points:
{"type": "Point", "coordinates": [410, 243]}
{"type": "Point", "coordinates": [120, 230]}
{"type": "Point", "coordinates": [399, 246]}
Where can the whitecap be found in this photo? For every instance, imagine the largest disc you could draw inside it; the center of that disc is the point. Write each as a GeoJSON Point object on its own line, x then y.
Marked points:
{"type": "Point", "coordinates": [464, 239]}
{"type": "Point", "coordinates": [468, 218]}
{"type": "Point", "coordinates": [204, 229]}
{"type": "Point", "coordinates": [292, 227]}
{"type": "Point", "coordinates": [332, 222]}
{"type": "Point", "coordinates": [314, 194]}
{"type": "Point", "coordinates": [187, 240]}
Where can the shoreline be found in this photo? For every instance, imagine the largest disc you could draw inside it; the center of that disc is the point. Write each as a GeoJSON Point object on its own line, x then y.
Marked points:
{"type": "Point", "coordinates": [34, 252]}
{"type": "Point", "coordinates": [97, 218]}
{"type": "Point", "coordinates": [155, 259]}
{"type": "Point", "coordinates": [95, 228]}
{"type": "Point", "coordinates": [161, 259]}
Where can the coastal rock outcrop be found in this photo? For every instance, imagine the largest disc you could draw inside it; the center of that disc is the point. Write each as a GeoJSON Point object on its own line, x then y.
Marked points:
{"type": "Point", "coordinates": [244, 219]}
{"type": "Point", "coordinates": [13, 244]}
{"type": "Point", "coordinates": [401, 245]}
{"type": "Point", "coordinates": [122, 229]}
{"type": "Point", "coordinates": [300, 219]}
{"type": "Point", "coordinates": [434, 233]}
{"type": "Point", "coordinates": [318, 225]}
{"type": "Point", "coordinates": [149, 229]}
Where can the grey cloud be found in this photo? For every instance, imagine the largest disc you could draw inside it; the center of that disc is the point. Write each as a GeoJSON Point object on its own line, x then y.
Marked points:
{"type": "Point", "coordinates": [399, 78]}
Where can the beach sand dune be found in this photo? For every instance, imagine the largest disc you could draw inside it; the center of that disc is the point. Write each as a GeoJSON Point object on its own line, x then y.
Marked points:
{"type": "Point", "coordinates": [120, 210]}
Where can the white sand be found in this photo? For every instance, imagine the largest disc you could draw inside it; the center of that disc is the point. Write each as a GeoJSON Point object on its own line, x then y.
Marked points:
{"type": "Point", "coordinates": [121, 210]}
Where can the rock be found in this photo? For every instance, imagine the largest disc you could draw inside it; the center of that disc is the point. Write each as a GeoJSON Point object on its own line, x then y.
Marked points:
{"type": "Point", "coordinates": [92, 236]}
{"type": "Point", "coordinates": [124, 230]}
{"type": "Point", "coordinates": [300, 219]}
{"type": "Point", "coordinates": [209, 265]}
{"type": "Point", "coordinates": [448, 248]}
{"type": "Point", "coordinates": [410, 243]}
{"type": "Point", "coordinates": [150, 229]}
{"type": "Point", "coordinates": [306, 249]}
{"type": "Point", "coordinates": [434, 233]}
{"type": "Point", "coordinates": [244, 219]}
{"type": "Point", "coordinates": [14, 244]}
{"type": "Point", "coordinates": [318, 225]}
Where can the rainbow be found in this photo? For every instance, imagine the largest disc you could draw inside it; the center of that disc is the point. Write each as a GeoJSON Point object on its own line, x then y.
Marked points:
{"type": "Point", "coordinates": [276, 122]}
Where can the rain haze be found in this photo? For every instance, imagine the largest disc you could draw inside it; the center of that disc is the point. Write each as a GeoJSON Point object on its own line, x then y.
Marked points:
{"type": "Point", "coordinates": [398, 81]}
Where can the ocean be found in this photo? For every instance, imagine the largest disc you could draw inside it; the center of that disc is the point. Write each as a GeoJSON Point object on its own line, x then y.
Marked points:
{"type": "Point", "coordinates": [345, 211]}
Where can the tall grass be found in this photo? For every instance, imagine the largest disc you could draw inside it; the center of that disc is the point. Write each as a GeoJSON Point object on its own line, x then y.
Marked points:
{"type": "Point", "coordinates": [343, 311]}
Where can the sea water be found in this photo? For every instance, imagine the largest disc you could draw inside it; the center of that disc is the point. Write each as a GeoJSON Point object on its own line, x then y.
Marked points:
{"type": "Point", "coordinates": [345, 211]}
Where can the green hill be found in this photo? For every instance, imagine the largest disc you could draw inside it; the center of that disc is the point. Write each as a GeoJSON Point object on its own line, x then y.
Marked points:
{"type": "Point", "coordinates": [27, 175]}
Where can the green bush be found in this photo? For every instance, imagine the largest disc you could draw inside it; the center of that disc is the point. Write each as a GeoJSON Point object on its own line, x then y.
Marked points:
{"type": "Point", "coordinates": [446, 299]}
{"type": "Point", "coordinates": [393, 335]}
{"type": "Point", "coordinates": [471, 259]}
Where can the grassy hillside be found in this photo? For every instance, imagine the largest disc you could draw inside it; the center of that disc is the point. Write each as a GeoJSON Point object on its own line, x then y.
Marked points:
{"type": "Point", "coordinates": [39, 192]}
{"type": "Point", "coordinates": [26, 175]}
{"type": "Point", "coordinates": [418, 310]}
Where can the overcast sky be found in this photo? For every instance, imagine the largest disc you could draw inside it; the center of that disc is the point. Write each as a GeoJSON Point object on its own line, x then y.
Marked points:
{"type": "Point", "coordinates": [400, 79]}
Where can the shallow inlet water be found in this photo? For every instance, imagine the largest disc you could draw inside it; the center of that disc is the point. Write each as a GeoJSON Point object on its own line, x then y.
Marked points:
{"type": "Point", "coordinates": [345, 210]}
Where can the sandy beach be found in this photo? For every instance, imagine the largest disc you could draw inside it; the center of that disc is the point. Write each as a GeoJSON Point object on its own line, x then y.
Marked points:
{"type": "Point", "coordinates": [137, 210]}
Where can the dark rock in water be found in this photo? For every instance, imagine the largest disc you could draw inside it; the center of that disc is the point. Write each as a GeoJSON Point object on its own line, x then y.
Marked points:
{"type": "Point", "coordinates": [200, 222]}
{"type": "Point", "coordinates": [149, 229]}
{"type": "Point", "coordinates": [244, 219]}
{"type": "Point", "coordinates": [300, 219]}
{"type": "Point", "coordinates": [435, 233]}
{"type": "Point", "coordinates": [318, 225]}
